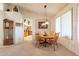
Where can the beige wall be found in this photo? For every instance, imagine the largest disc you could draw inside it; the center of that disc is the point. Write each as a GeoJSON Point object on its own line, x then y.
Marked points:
{"type": "Point", "coordinates": [73, 44]}
{"type": "Point", "coordinates": [52, 25]}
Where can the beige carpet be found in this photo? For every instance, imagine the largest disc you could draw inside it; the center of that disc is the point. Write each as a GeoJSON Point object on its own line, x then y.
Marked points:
{"type": "Point", "coordinates": [28, 49]}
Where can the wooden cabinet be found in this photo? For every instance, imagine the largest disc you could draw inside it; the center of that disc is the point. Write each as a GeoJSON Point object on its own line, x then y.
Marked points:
{"type": "Point", "coordinates": [25, 34]}
{"type": "Point", "coordinates": [8, 41]}
{"type": "Point", "coordinates": [29, 32]}
{"type": "Point", "coordinates": [8, 32]}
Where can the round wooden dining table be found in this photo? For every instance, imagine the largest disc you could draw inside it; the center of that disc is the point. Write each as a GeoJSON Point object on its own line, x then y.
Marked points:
{"type": "Point", "coordinates": [47, 37]}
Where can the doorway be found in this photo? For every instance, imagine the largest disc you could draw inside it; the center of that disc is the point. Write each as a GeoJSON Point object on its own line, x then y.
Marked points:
{"type": "Point", "coordinates": [28, 29]}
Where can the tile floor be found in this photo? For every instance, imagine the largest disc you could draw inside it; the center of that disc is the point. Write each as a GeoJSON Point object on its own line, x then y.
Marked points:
{"type": "Point", "coordinates": [28, 49]}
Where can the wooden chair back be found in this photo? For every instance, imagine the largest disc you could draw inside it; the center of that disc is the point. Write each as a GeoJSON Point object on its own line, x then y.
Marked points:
{"type": "Point", "coordinates": [56, 37]}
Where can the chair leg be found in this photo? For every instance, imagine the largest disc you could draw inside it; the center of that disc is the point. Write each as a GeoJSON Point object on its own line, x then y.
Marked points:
{"type": "Point", "coordinates": [38, 44]}
{"type": "Point", "coordinates": [57, 45]}
{"type": "Point", "coordinates": [54, 47]}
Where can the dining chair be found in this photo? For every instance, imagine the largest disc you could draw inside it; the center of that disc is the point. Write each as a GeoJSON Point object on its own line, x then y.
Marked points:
{"type": "Point", "coordinates": [54, 40]}
{"type": "Point", "coordinates": [39, 41]}
{"type": "Point", "coordinates": [37, 38]}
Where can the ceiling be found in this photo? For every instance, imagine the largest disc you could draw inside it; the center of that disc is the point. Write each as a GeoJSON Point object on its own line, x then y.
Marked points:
{"type": "Point", "coordinates": [52, 8]}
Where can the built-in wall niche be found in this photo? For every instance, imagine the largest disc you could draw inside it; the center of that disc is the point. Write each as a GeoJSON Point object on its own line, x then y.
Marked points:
{"type": "Point", "coordinates": [8, 32]}
{"type": "Point", "coordinates": [19, 24]}
{"type": "Point", "coordinates": [12, 8]}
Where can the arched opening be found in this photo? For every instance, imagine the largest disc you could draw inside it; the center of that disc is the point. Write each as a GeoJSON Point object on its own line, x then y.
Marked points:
{"type": "Point", "coordinates": [28, 29]}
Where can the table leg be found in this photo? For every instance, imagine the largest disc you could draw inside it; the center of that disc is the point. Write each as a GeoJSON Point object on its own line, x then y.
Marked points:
{"type": "Point", "coordinates": [45, 43]}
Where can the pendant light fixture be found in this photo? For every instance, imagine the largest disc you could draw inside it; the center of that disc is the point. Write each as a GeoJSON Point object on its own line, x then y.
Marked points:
{"type": "Point", "coordinates": [46, 21]}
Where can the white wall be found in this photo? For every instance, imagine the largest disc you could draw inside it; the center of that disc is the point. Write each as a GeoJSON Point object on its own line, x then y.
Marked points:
{"type": "Point", "coordinates": [1, 28]}
{"type": "Point", "coordinates": [1, 32]}
{"type": "Point", "coordinates": [73, 44]}
{"type": "Point", "coordinates": [19, 35]}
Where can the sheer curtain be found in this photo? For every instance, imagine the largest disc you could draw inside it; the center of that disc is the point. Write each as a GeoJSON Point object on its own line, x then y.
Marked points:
{"type": "Point", "coordinates": [66, 24]}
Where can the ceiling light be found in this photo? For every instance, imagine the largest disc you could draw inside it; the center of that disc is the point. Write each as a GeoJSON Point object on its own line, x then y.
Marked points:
{"type": "Point", "coordinates": [46, 21]}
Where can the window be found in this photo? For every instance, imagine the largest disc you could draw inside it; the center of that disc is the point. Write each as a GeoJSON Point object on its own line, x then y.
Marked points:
{"type": "Point", "coordinates": [58, 25]}
{"type": "Point", "coordinates": [66, 24]}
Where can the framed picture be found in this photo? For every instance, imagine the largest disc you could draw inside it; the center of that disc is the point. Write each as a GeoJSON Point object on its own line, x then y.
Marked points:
{"type": "Point", "coordinates": [40, 26]}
